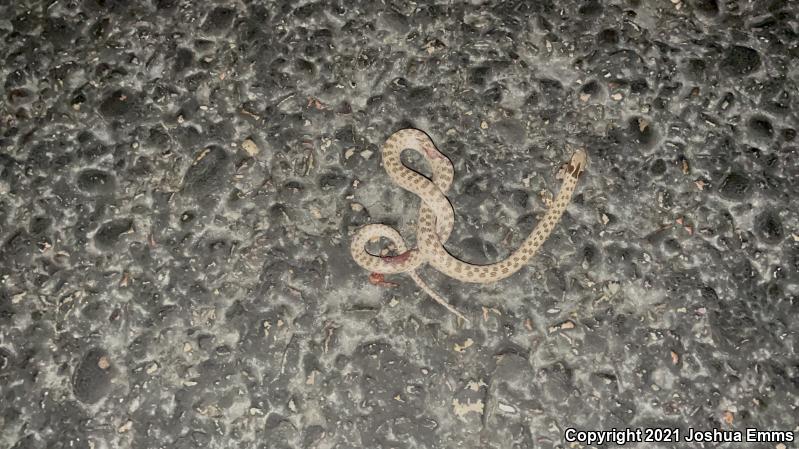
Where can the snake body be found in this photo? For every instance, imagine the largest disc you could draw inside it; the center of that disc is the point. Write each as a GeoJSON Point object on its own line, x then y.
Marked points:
{"type": "Point", "coordinates": [436, 219]}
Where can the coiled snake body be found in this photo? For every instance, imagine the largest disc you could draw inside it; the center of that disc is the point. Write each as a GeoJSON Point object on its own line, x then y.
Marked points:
{"type": "Point", "coordinates": [436, 219]}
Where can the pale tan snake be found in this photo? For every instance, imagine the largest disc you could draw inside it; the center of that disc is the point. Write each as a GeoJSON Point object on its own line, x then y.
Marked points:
{"type": "Point", "coordinates": [436, 219]}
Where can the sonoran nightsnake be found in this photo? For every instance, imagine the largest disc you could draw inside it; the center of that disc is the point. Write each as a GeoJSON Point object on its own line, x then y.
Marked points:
{"type": "Point", "coordinates": [436, 219]}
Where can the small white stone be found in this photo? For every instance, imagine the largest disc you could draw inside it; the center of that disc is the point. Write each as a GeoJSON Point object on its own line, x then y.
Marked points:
{"type": "Point", "coordinates": [152, 368]}
{"type": "Point", "coordinates": [125, 427]}
{"type": "Point", "coordinates": [507, 408]}
{"type": "Point", "coordinates": [250, 147]}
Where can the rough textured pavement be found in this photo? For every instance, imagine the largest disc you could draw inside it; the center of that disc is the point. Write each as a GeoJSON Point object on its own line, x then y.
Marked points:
{"type": "Point", "coordinates": [179, 182]}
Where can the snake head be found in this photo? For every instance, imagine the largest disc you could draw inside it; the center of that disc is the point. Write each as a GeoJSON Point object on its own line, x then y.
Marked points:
{"type": "Point", "coordinates": [577, 163]}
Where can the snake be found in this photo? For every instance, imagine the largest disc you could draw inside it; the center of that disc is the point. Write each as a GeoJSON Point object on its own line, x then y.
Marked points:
{"type": "Point", "coordinates": [437, 217]}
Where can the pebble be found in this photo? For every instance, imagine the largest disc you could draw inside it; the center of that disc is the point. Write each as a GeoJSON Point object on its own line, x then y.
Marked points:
{"type": "Point", "coordinates": [250, 147]}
